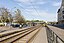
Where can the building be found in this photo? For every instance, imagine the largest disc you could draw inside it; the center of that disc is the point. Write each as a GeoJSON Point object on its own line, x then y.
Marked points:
{"type": "Point", "coordinates": [61, 13]}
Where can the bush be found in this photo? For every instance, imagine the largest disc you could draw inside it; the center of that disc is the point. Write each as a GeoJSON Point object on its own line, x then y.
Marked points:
{"type": "Point", "coordinates": [2, 24]}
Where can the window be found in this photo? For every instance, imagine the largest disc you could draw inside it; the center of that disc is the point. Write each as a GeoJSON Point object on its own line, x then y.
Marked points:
{"type": "Point", "coordinates": [63, 16]}
{"type": "Point", "coordinates": [58, 10]}
{"type": "Point", "coordinates": [63, 12]}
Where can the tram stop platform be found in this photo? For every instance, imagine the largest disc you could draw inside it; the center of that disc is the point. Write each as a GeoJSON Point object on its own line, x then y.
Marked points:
{"type": "Point", "coordinates": [41, 36]}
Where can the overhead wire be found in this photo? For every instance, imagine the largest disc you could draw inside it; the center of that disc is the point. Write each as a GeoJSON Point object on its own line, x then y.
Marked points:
{"type": "Point", "coordinates": [23, 9]}
{"type": "Point", "coordinates": [35, 9]}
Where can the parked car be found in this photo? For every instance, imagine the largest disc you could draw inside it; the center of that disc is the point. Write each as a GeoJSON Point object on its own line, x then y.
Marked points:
{"type": "Point", "coordinates": [24, 25]}
{"type": "Point", "coordinates": [15, 25]}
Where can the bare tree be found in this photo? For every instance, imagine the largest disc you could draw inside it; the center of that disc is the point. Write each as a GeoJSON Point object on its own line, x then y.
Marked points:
{"type": "Point", "coordinates": [5, 15]}
{"type": "Point", "coordinates": [10, 18]}
{"type": "Point", "coordinates": [19, 18]}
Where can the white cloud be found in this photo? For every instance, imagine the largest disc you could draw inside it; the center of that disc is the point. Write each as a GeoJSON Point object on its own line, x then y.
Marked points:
{"type": "Point", "coordinates": [28, 5]}
{"type": "Point", "coordinates": [39, 3]}
{"type": "Point", "coordinates": [25, 1]}
{"type": "Point", "coordinates": [42, 15]}
{"type": "Point", "coordinates": [56, 4]}
{"type": "Point", "coordinates": [33, 1]}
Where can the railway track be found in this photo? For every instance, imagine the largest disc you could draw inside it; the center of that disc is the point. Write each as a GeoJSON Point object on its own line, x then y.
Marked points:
{"type": "Point", "coordinates": [19, 35]}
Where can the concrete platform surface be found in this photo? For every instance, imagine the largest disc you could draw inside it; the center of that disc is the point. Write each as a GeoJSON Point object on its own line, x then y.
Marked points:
{"type": "Point", "coordinates": [41, 37]}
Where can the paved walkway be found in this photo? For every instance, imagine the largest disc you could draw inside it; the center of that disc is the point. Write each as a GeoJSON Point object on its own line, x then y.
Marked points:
{"type": "Point", "coordinates": [41, 37]}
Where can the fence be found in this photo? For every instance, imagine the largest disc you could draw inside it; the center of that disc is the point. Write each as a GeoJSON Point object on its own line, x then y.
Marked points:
{"type": "Point", "coordinates": [53, 37]}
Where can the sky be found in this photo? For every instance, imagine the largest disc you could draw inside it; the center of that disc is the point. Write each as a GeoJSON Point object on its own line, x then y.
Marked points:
{"type": "Point", "coordinates": [34, 9]}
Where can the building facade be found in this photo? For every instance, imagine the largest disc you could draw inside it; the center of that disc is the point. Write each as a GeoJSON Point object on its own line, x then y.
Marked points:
{"type": "Point", "coordinates": [61, 13]}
